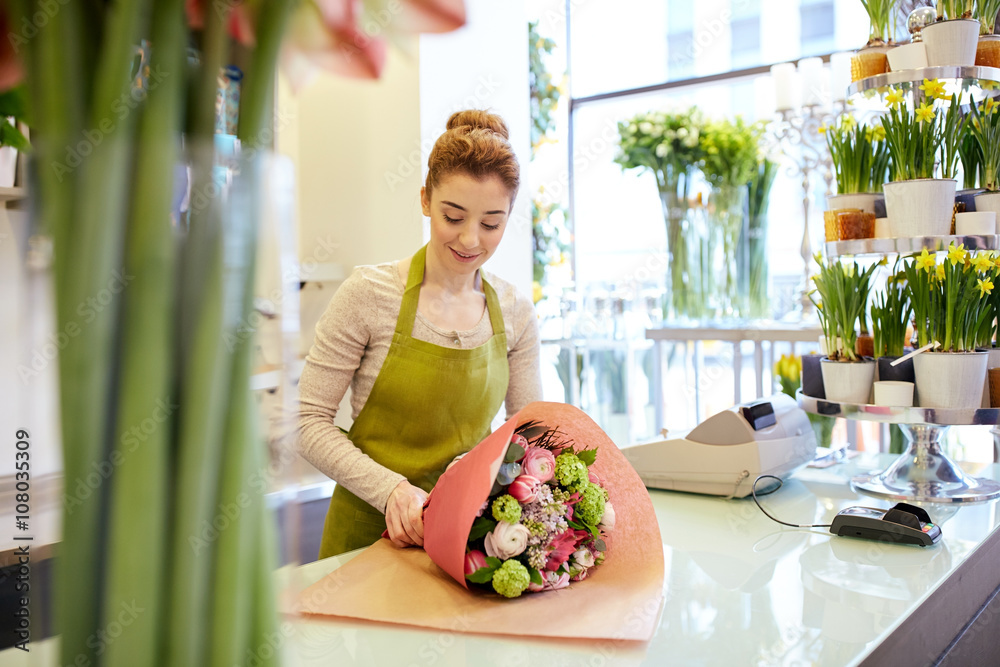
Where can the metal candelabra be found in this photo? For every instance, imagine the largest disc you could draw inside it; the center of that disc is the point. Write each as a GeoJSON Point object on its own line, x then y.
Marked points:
{"type": "Point", "coordinates": [798, 138]}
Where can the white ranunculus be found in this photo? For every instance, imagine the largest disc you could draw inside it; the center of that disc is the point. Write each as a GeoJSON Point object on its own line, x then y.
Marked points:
{"type": "Point", "coordinates": [583, 558]}
{"type": "Point", "coordinates": [506, 540]}
{"type": "Point", "coordinates": [608, 520]}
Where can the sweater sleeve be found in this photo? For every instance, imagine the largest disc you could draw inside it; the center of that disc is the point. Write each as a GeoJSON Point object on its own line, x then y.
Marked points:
{"type": "Point", "coordinates": [342, 336]}
{"type": "Point", "coordinates": [525, 385]}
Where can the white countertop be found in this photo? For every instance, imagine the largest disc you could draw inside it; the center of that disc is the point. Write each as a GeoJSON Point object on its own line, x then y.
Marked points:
{"type": "Point", "coordinates": [739, 589]}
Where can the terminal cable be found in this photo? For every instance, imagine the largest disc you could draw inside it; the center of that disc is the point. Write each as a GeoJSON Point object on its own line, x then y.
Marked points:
{"type": "Point", "coordinates": [753, 491]}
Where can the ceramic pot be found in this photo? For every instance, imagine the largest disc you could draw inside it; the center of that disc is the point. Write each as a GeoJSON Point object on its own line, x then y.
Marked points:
{"type": "Point", "coordinates": [907, 56]}
{"type": "Point", "coordinates": [976, 223]}
{"type": "Point", "coordinates": [902, 372]}
{"type": "Point", "coordinates": [989, 201]}
{"type": "Point", "coordinates": [920, 207]}
{"type": "Point", "coordinates": [848, 381]}
{"type": "Point", "coordinates": [864, 201]}
{"type": "Point", "coordinates": [893, 393]}
{"type": "Point", "coordinates": [882, 230]}
{"type": "Point", "coordinates": [8, 166]}
{"type": "Point", "coordinates": [812, 376]}
{"type": "Point", "coordinates": [988, 51]}
{"type": "Point", "coordinates": [950, 379]}
{"type": "Point", "coordinates": [951, 43]}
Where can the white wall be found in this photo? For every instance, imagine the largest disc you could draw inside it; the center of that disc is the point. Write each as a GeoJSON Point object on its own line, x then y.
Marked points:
{"type": "Point", "coordinates": [484, 65]}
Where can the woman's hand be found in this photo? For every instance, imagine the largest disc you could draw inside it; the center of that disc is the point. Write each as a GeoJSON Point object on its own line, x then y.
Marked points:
{"type": "Point", "coordinates": [404, 515]}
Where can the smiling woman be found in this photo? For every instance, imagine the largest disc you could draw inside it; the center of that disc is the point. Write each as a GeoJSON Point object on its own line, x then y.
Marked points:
{"type": "Point", "coordinates": [430, 345]}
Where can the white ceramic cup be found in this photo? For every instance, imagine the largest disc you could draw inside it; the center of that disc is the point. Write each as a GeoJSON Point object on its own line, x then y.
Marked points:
{"type": "Point", "coordinates": [907, 56]}
{"type": "Point", "coordinates": [975, 223]}
{"type": "Point", "coordinates": [894, 393]}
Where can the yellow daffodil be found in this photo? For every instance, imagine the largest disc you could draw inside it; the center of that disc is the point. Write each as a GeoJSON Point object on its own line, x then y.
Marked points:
{"type": "Point", "coordinates": [985, 286]}
{"type": "Point", "coordinates": [982, 263]}
{"type": "Point", "coordinates": [924, 113]}
{"type": "Point", "coordinates": [925, 261]}
{"type": "Point", "coordinates": [996, 261]}
{"type": "Point", "coordinates": [894, 98]}
{"type": "Point", "coordinates": [933, 88]}
{"type": "Point", "coordinates": [956, 253]}
{"type": "Point", "coordinates": [884, 261]}
{"type": "Point", "coordinates": [987, 85]}
{"type": "Point", "coordinates": [847, 123]}
{"type": "Point", "coordinates": [939, 272]}
{"type": "Point", "coordinates": [990, 106]}
{"type": "Point", "coordinates": [822, 129]}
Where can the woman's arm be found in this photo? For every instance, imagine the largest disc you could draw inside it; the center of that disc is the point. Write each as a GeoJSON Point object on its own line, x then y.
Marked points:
{"type": "Point", "coordinates": [342, 336]}
{"type": "Point", "coordinates": [525, 384]}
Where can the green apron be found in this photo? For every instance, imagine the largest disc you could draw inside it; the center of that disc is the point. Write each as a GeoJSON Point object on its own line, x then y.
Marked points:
{"type": "Point", "coordinates": [428, 405]}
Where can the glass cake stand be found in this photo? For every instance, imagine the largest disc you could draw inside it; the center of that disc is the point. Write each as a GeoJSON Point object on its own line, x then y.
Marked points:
{"type": "Point", "coordinates": [922, 473]}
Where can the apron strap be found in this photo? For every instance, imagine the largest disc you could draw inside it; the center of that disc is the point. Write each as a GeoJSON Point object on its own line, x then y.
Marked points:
{"type": "Point", "coordinates": [411, 295]}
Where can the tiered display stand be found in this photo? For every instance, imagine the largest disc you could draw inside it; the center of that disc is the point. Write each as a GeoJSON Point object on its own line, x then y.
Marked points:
{"type": "Point", "coordinates": [923, 472]}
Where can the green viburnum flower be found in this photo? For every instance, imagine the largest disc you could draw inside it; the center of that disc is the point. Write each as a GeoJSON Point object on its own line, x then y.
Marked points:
{"type": "Point", "coordinates": [570, 470]}
{"type": "Point", "coordinates": [511, 579]}
{"type": "Point", "coordinates": [506, 508]}
{"type": "Point", "coordinates": [590, 507]}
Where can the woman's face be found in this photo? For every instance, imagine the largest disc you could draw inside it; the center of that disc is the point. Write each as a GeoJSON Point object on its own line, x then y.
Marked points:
{"type": "Point", "coordinates": [468, 218]}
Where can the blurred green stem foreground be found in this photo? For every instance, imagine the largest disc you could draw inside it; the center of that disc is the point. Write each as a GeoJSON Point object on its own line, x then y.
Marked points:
{"type": "Point", "coordinates": [176, 539]}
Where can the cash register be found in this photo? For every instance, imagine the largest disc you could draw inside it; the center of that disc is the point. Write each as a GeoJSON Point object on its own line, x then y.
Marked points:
{"type": "Point", "coordinates": [723, 455]}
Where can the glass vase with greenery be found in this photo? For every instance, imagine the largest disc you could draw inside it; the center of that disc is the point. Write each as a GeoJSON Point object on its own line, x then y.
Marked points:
{"type": "Point", "coordinates": [843, 290]}
{"type": "Point", "coordinates": [667, 143]}
{"type": "Point", "coordinates": [859, 154]}
{"type": "Point", "coordinates": [755, 265]}
{"type": "Point", "coordinates": [731, 155]}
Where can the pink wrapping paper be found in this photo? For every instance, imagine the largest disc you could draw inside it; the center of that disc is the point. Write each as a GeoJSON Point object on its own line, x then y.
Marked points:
{"type": "Point", "coordinates": [618, 600]}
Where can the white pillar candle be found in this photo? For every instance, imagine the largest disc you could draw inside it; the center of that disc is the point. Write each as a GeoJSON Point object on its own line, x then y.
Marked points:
{"type": "Point", "coordinates": [840, 71]}
{"type": "Point", "coordinates": [763, 94]}
{"type": "Point", "coordinates": [786, 86]}
{"type": "Point", "coordinates": [811, 74]}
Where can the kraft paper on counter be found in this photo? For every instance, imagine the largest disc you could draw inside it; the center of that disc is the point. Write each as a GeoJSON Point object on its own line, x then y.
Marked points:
{"type": "Point", "coordinates": [618, 600]}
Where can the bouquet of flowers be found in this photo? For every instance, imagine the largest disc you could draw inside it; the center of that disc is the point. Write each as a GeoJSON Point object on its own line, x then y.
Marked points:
{"type": "Point", "coordinates": [544, 522]}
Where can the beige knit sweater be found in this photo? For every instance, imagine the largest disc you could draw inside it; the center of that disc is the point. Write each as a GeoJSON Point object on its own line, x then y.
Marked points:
{"type": "Point", "coordinates": [352, 341]}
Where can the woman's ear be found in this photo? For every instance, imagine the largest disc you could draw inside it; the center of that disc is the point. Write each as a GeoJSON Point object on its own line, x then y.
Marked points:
{"type": "Point", "coordinates": [425, 202]}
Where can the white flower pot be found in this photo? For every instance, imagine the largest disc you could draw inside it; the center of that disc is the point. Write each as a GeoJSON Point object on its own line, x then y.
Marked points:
{"type": "Point", "coordinates": [975, 223]}
{"type": "Point", "coordinates": [951, 43]}
{"type": "Point", "coordinates": [848, 381]}
{"type": "Point", "coordinates": [8, 166]}
{"type": "Point", "coordinates": [907, 56]}
{"type": "Point", "coordinates": [920, 207]}
{"type": "Point", "coordinates": [862, 200]}
{"type": "Point", "coordinates": [989, 201]}
{"type": "Point", "coordinates": [894, 393]}
{"type": "Point", "coordinates": [950, 379]}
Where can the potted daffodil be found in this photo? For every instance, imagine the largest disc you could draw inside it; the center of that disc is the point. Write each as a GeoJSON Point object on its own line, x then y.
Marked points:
{"type": "Point", "coordinates": [871, 59]}
{"type": "Point", "coordinates": [923, 142]}
{"type": "Point", "coordinates": [951, 308]}
{"type": "Point", "coordinates": [951, 40]}
{"type": "Point", "coordinates": [843, 297]}
{"type": "Point", "coordinates": [890, 314]}
{"type": "Point", "coordinates": [860, 159]}
{"type": "Point", "coordinates": [984, 127]}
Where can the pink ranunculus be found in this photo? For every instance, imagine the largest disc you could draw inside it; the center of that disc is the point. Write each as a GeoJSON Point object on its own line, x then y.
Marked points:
{"type": "Point", "coordinates": [583, 558]}
{"type": "Point", "coordinates": [608, 520]}
{"type": "Point", "coordinates": [506, 540]}
{"type": "Point", "coordinates": [524, 488]}
{"type": "Point", "coordinates": [474, 560]}
{"type": "Point", "coordinates": [539, 463]}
